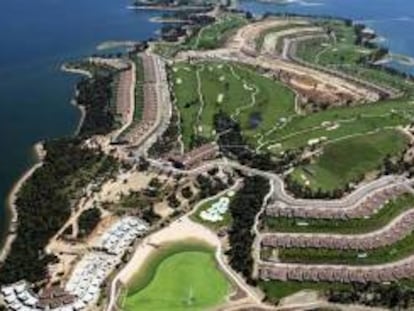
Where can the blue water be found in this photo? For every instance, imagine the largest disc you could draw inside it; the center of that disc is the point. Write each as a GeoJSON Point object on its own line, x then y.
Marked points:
{"type": "Point", "coordinates": [35, 38]}
{"type": "Point", "coordinates": [392, 19]}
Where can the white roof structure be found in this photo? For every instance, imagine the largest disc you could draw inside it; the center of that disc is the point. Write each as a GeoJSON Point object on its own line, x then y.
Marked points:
{"type": "Point", "coordinates": [90, 272]}
{"type": "Point", "coordinates": [7, 290]}
{"type": "Point", "coordinates": [217, 210]}
{"type": "Point", "coordinates": [19, 297]}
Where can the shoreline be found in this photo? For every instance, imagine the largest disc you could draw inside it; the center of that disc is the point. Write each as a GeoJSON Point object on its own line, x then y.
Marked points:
{"type": "Point", "coordinates": [168, 20]}
{"type": "Point", "coordinates": [165, 8]}
{"type": "Point", "coordinates": [39, 153]}
{"type": "Point", "coordinates": [82, 111]}
{"type": "Point", "coordinates": [66, 68]}
{"type": "Point", "coordinates": [73, 101]}
{"type": "Point", "coordinates": [107, 45]}
{"type": "Point", "coordinates": [12, 218]}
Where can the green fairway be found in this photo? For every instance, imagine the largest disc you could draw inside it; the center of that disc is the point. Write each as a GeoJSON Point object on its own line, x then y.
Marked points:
{"type": "Point", "coordinates": [349, 159]}
{"type": "Point", "coordinates": [336, 123]}
{"type": "Point", "coordinates": [202, 90]}
{"type": "Point", "coordinates": [182, 277]}
{"type": "Point", "coordinates": [351, 226]}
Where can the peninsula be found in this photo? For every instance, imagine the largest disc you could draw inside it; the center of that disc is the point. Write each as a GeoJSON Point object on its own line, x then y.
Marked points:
{"type": "Point", "coordinates": [237, 163]}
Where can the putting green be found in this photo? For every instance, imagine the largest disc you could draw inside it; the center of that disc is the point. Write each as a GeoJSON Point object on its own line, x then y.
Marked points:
{"type": "Point", "coordinates": [187, 280]}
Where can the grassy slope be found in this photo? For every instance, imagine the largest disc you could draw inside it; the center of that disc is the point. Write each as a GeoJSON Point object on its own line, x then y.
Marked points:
{"type": "Point", "coordinates": [344, 161]}
{"type": "Point", "coordinates": [351, 120]}
{"type": "Point", "coordinates": [276, 290]}
{"type": "Point", "coordinates": [352, 226]}
{"type": "Point", "coordinates": [174, 274]}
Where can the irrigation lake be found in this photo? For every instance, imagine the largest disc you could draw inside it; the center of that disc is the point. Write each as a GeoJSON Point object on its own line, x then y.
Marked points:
{"type": "Point", "coordinates": [37, 36]}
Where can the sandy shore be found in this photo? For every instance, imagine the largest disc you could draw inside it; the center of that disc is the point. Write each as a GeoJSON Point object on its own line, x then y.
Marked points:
{"type": "Point", "coordinates": [168, 20]}
{"type": "Point", "coordinates": [181, 229]}
{"type": "Point", "coordinates": [116, 44]}
{"type": "Point", "coordinates": [39, 155]}
{"type": "Point", "coordinates": [83, 72]}
{"type": "Point", "coordinates": [82, 115]}
{"type": "Point", "coordinates": [165, 8]}
{"type": "Point", "coordinates": [82, 110]}
{"type": "Point", "coordinates": [11, 200]}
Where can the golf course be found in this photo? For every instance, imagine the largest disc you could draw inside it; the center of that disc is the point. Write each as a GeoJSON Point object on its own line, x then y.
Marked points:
{"type": "Point", "coordinates": [202, 90]}
{"type": "Point", "coordinates": [179, 276]}
{"type": "Point", "coordinates": [354, 140]}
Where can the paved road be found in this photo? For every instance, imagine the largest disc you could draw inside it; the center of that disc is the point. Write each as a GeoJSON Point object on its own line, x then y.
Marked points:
{"type": "Point", "coordinates": [279, 189]}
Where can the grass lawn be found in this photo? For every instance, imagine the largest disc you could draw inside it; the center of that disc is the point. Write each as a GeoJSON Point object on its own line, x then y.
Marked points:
{"type": "Point", "coordinates": [353, 226]}
{"type": "Point", "coordinates": [397, 251]}
{"type": "Point", "coordinates": [346, 160]}
{"type": "Point", "coordinates": [378, 76]}
{"type": "Point", "coordinates": [204, 89]}
{"type": "Point", "coordinates": [179, 277]}
{"type": "Point", "coordinates": [276, 290]}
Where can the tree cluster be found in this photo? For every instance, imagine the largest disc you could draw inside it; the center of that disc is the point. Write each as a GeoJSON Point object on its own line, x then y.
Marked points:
{"type": "Point", "coordinates": [209, 186]}
{"type": "Point", "coordinates": [168, 140]}
{"type": "Point", "coordinates": [244, 208]}
{"type": "Point", "coordinates": [393, 296]}
{"type": "Point", "coordinates": [233, 145]}
{"type": "Point", "coordinates": [44, 205]}
{"type": "Point", "coordinates": [300, 190]}
{"type": "Point", "coordinates": [95, 95]}
{"type": "Point", "coordinates": [88, 221]}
